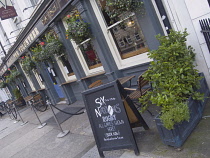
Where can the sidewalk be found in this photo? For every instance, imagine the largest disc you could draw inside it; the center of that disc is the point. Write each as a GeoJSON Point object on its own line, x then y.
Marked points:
{"type": "Point", "coordinates": [30, 142]}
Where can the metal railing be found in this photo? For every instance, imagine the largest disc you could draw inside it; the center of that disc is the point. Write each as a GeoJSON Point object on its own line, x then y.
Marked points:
{"type": "Point", "coordinates": [205, 26]}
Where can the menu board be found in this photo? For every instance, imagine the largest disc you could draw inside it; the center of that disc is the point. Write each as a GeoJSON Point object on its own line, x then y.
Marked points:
{"type": "Point", "coordinates": [108, 118]}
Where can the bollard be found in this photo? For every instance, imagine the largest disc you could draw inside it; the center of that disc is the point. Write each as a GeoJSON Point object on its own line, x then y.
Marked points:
{"type": "Point", "coordinates": [41, 124]}
{"type": "Point", "coordinates": [62, 133]}
{"type": "Point", "coordinates": [23, 123]}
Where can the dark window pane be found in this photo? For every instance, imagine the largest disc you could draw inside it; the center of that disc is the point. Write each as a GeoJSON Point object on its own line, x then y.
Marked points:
{"type": "Point", "coordinates": [90, 55]}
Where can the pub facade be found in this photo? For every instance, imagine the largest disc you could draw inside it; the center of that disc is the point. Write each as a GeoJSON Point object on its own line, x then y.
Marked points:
{"type": "Point", "coordinates": [53, 55]}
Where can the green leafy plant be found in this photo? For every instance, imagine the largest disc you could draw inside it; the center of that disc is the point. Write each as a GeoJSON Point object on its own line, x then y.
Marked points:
{"type": "Point", "coordinates": [28, 65]}
{"type": "Point", "coordinates": [44, 51]}
{"type": "Point", "coordinates": [14, 74]}
{"type": "Point", "coordinates": [174, 79]}
{"type": "Point", "coordinates": [17, 94]}
{"type": "Point", "coordinates": [54, 45]}
{"type": "Point", "coordinates": [3, 84]}
{"type": "Point", "coordinates": [115, 8]}
{"type": "Point", "coordinates": [78, 30]}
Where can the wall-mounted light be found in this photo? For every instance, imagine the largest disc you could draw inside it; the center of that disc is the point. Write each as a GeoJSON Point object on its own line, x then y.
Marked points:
{"type": "Point", "coordinates": [130, 22]}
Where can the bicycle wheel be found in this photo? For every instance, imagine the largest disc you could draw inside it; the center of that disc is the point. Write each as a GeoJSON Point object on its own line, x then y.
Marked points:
{"type": "Point", "coordinates": [42, 106]}
{"type": "Point", "coordinates": [7, 109]}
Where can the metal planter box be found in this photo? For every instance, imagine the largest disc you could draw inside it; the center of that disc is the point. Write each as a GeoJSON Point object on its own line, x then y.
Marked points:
{"type": "Point", "coordinates": [177, 136]}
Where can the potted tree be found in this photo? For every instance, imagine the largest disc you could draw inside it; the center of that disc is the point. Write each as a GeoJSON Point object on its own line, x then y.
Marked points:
{"type": "Point", "coordinates": [175, 83]}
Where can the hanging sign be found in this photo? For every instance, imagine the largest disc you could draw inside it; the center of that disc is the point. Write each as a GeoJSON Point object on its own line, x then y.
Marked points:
{"type": "Point", "coordinates": [7, 10]}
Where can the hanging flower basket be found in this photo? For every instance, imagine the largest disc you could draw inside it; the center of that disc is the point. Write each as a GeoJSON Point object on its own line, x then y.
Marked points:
{"type": "Point", "coordinates": [54, 45]}
{"type": "Point", "coordinates": [28, 65]}
{"type": "Point", "coordinates": [3, 85]}
{"type": "Point", "coordinates": [44, 51]}
{"type": "Point", "coordinates": [14, 74]}
{"type": "Point", "coordinates": [78, 29]}
{"type": "Point", "coordinates": [116, 8]}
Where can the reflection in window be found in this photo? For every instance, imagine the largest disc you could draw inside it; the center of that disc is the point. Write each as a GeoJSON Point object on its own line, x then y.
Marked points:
{"type": "Point", "coordinates": [126, 33]}
{"type": "Point", "coordinates": [90, 55]}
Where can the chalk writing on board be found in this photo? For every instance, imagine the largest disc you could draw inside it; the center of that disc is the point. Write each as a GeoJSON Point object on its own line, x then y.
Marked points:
{"type": "Point", "coordinates": [107, 110]}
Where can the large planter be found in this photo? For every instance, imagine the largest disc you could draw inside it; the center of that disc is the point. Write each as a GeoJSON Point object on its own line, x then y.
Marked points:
{"type": "Point", "coordinates": [203, 89]}
{"type": "Point", "coordinates": [177, 136]}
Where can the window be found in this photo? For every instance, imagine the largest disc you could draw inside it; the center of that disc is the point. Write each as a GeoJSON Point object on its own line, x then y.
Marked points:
{"type": "Point", "coordinates": [65, 68]}
{"type": "Point", "coordinates": [39, 79]}
{"type": "Point", "coordinates": [28, 79]}
{"type": "Point", "coordinates": [90, 55]}
{"type": "Point", "coordinates": [34, 2]}
{"type": "Point", "coordinates": [126, 32]}
{"type": "Point", "coordinates": [86, 51]}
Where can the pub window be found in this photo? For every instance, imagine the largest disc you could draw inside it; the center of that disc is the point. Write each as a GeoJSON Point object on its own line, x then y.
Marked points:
{"type": "Point", "coordinates": [90, 55]}
{"type": "Point", "coordinates": [126, 32]}
{"type": "Point", "coordinates": [84, 47]}
{"type": "Point", "coordinates": [66, 65]}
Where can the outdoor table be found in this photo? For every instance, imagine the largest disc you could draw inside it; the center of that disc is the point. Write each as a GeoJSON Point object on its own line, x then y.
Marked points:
{"type": "Point", "coordinates": [125, 79]}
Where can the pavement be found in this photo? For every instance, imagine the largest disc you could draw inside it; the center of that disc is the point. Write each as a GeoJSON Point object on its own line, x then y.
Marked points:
{"type": "Point", "coordinates": [28, 141]}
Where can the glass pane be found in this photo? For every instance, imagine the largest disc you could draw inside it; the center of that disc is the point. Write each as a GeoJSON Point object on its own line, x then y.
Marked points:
{"type": "Point", "coordinates": [90, 55]}
{"type": "Point", "coordinates": [126, 33]}
{"type": "Point", "coordinates": [67, 66]}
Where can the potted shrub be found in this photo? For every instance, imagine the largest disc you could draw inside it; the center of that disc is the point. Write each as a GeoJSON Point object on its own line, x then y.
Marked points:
{"type": "Point", "coordinates": [175, 82]}
{"type": "Point", "coordinates": [78, 29]}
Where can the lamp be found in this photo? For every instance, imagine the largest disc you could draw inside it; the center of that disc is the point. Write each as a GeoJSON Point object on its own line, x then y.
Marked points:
{"type": "Point", "coordinates": [130, 22]}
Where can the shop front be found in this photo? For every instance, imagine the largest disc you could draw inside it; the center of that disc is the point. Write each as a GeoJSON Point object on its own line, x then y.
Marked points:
{"type": "Point", "coordinates": [69, 44]}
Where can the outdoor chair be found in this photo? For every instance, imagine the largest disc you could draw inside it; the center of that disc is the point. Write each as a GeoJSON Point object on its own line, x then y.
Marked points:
{"type": "Point", "coordinates": [143, 87]}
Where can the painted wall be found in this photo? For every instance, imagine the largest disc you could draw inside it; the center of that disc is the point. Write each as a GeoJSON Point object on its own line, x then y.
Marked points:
{"type": "Point", "coordinates": [186, 14]}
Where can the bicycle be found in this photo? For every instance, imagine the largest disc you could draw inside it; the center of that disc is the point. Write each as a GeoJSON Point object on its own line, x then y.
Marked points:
{"type": "Point", "coordinates": [10, 109]}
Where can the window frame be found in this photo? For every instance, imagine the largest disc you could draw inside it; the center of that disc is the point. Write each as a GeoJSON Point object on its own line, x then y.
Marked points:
{"type": "Point", "coordinates": [65, 75]}
{"type": "Point", "coordinates": [28, 79]}
{"type": "Point", "coordinates": [81, 58]}
{"type": "Point", "coordinates": [121, 63]}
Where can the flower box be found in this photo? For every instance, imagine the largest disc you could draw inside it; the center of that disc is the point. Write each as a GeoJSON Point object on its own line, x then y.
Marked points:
{"type": "Point", "coordinates": [177, 136]}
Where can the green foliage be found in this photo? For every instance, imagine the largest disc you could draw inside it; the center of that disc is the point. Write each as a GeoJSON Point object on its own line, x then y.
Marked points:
{"type": "Point", "coordinates": [44, 51]}
{"type": "Point", "coordinates": [17, 93]}
{"type": "Point", "coordinates": [115, 8]}
{"type": "Point", "coordinates": [78, 29]}
{"type": "Point", "coordinates": [14, 74]}
{"type": "Point", "coordinates": [173, 77]}
{"type": "Point", "coordinates": [28, 65]}
{"type": "Point", "coordinates": [3, 84]}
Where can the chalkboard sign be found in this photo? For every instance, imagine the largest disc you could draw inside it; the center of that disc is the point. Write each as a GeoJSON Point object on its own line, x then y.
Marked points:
{"type": "Point", "coordinates": [108, 118]}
